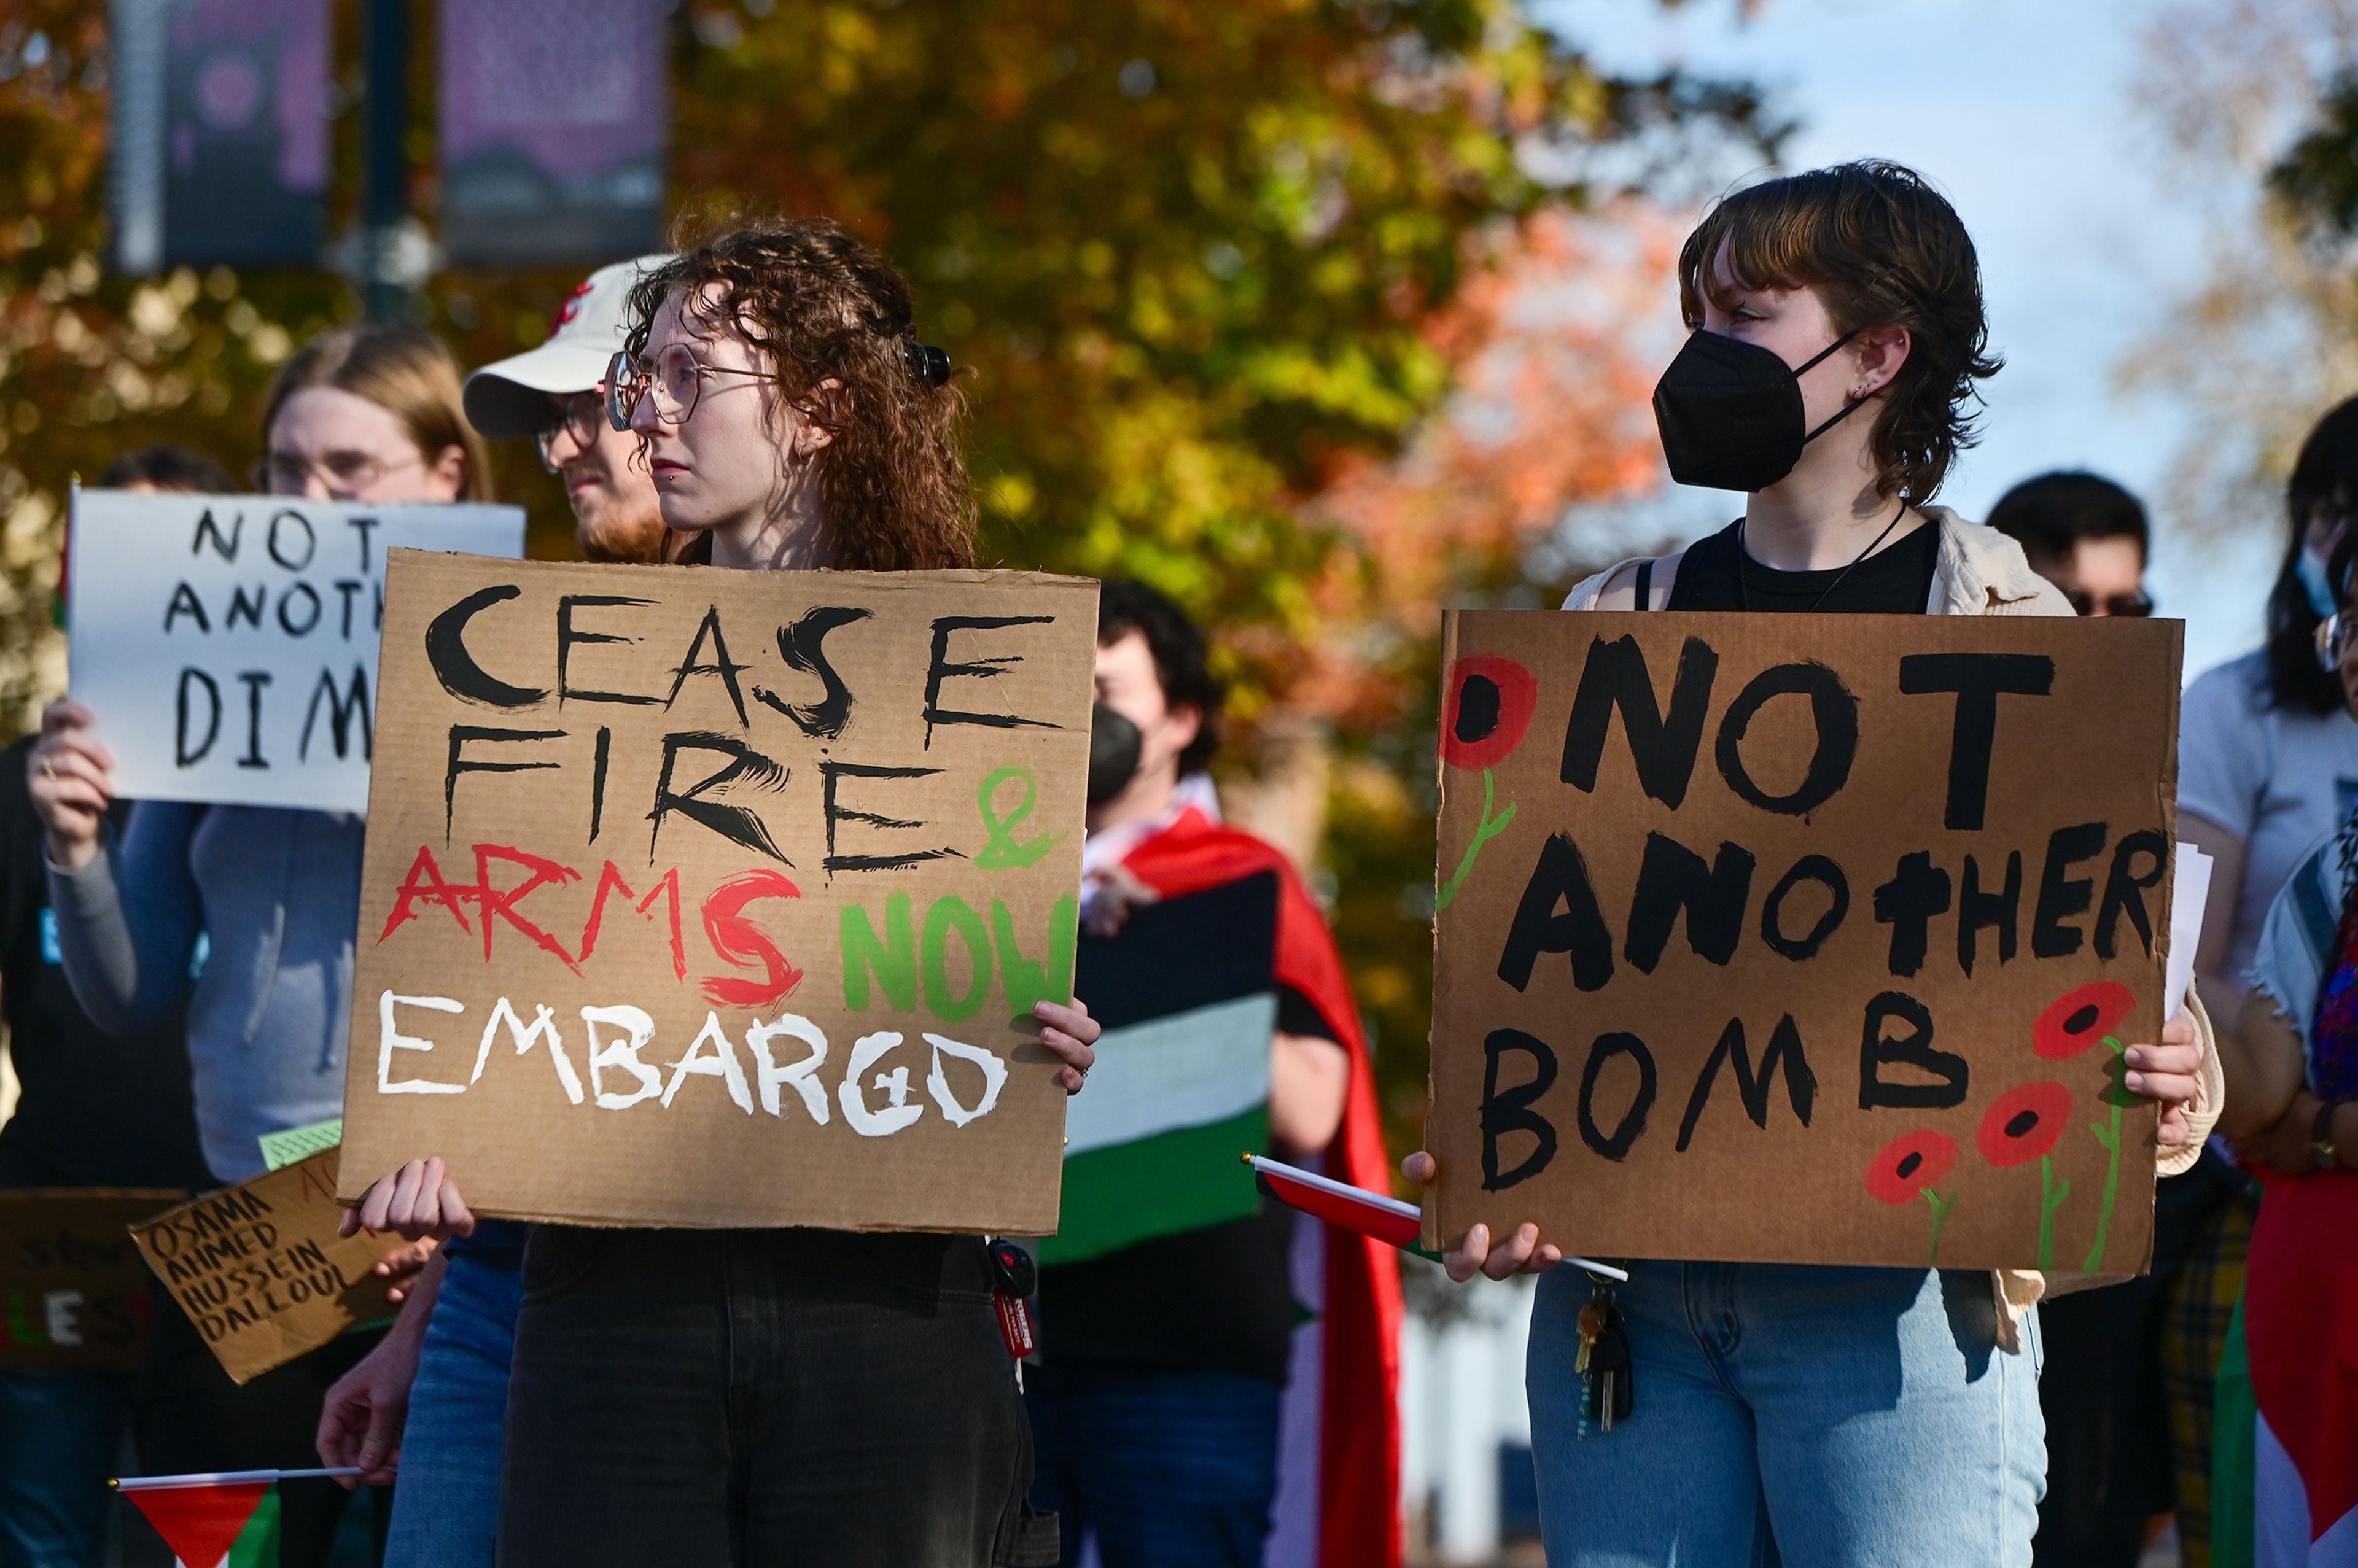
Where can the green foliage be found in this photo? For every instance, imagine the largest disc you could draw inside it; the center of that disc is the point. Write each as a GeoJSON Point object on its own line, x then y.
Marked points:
{"type": "Point", "coordinates": [1191, 251]}
{"type": "Point", "coordinates": [2317, 179]}
{"type": "Point", "coordinates": [1193, 258]}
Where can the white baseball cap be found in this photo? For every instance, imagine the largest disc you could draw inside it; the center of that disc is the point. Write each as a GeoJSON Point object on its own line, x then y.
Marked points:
{"type": "Point", "coordinates": [508, 399]}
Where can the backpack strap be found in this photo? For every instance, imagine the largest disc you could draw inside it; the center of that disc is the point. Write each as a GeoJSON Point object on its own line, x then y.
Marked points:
{"type": "Point", "coordinates": [1645, 583]}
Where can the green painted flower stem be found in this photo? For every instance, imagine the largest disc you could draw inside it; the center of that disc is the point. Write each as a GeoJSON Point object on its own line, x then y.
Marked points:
{"type": "Point", "coordinates": [2051, 1199]}
{"type": "Point", "coordinates": [1487, 829]}
{"type": "Point", "coordinates": [1941, 1208]}
{"type": "Point", "coordinates": [2111, 1138]}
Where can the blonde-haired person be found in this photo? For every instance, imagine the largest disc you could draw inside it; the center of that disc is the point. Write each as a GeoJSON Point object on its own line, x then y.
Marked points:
{"type": "Point", "coordinates": [772, 1399]}
{"type": "Point", "coordinates": [1836, 1417]}
{"type": "Point", "coordinates": [368, 413]}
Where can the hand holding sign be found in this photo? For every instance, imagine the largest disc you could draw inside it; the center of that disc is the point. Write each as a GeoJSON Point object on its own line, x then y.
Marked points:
{"type": "Point", "coordinates": [708, 898]}
{"type": "Point", "coordinates": [1520, 1252]}
{"type": "Point", "coordinates": [227, 645]}
{"type": "Point", "coordinates": [1730, 918]}
{"type": "Point", "coordinates": [421, 1200]}
{"type": "Point", "coordinates": [72, 779]}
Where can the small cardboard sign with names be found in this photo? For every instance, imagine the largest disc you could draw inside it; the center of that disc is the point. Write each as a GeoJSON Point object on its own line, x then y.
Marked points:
{"type": "Point", "coordinates": [260, 1271]}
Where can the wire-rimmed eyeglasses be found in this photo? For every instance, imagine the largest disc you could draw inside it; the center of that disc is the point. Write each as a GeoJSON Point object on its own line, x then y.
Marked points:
{"type": "Point", "coordinates": [675, 381]}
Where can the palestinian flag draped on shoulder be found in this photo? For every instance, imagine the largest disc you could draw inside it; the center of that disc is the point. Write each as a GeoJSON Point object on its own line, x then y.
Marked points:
{"type": "Point", "coordinates": [1190, 994]}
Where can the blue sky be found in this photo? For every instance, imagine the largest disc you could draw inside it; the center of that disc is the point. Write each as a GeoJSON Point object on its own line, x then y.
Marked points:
{"type": "Point", "coordinates": [2021, 110]}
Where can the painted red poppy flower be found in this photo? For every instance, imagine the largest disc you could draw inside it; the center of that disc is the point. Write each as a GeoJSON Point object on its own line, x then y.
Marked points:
{"type": "Point", "coordinates": [2024, 1123]}
{"type": "Point", "coordinates": [1485, 707]}
{"type": "Point", "coordinates": [1909, 1163]}
{"type": "Point", "coordinates": [2080, 1017]}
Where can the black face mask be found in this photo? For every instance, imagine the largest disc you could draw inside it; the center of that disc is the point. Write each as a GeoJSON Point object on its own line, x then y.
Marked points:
{"type": "Point", "coordinates": [1730, 412]}
{"type": "Point", "coordinates": [1113, 753]}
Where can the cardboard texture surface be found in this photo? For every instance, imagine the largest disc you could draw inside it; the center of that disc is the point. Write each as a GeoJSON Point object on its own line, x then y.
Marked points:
{"type": "Point", "coordinates": [73, 1293]}
{"type": "Point", "coordinates": [260, 1269]}
{"type": "Point", "coordinates": [1758, 941]}
{"type": "Point", "coordinates": [227, 644]}
{"type": "Point", "coordinates": [712, 898]}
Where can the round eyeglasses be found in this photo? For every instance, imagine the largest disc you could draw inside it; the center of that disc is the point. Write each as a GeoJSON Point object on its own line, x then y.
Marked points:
{"type": "Point", "coordinates": [575, 417]}
{"type": "Point", "coordinates": [675, 381]}
{"type": "Point", "coordinates": [2336, 636]}
{"type": "Point", "coordinates": [345, 476]}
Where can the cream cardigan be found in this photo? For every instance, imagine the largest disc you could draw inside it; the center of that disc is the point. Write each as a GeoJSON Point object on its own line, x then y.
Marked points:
{"type": "Point", "coordinates": [1979, 571]}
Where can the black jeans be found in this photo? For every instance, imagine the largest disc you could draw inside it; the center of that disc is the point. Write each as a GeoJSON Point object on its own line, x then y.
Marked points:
{"type": "Point", "coordinates": [2109, 1465]}
{"type": "Point", "coordinates": [760, 1399]}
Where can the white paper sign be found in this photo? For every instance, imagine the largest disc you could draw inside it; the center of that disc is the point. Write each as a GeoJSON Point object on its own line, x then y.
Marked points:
{"type": "Point", "coordinates": [227, 644]}
{"type": "Point", "coordinates": [2190, 890]}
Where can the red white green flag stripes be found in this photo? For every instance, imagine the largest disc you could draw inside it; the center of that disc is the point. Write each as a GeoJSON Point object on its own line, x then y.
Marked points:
{"type": "Point", "coordinates": [1187, 993]}
{"type": "Point", "coordinates": [227, 1520]}
{"type": "Point", "coordinates": [2301, 1343]}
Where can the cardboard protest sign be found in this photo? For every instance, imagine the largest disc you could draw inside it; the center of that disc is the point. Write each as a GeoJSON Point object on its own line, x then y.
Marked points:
{"type": "Point", "coordinates": [260, 1269]}
{"type": "Point", "coordinates": [227, 644]}
{"type": "Point", "coordinates": [1187, 993]}
{"type": "Point", "coordinates": [73, 1293]}
{"type": "Point", "coordinates": [1803, 939]}
{"type": "Point", "coordinates": [717, 898]}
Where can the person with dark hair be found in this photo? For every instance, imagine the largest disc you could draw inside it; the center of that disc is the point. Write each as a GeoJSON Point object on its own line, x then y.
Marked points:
{"type": "Point", "coordinates": [2267, 754]}
{"type": "Point", "coordinates": [2267, 767]}
{"type": "Point", "coordinates": [1839, 1417]}
{"type": "Point", "coordinates": [2083, 534]}
{"type": "Point", "coordinates": [2102, 1392]}
{"type": "Point", "coordinates": [554, 395]}
{"type": "Point", "coordinates": [94, 1110]}
{"type": "Point", "coordinates": [359, 414]}
{"type": "Point", "coordinates": [785, 1395]}
{"type": "Point", "coordinates": [1165, 1359]}
{"type": "Point", "coordinates": [2292, 1079]}
{"type": "Point", "coordinates": [167, 468]}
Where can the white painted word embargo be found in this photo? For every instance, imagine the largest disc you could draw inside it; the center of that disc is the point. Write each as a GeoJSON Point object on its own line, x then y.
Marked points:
{"type": "Point", "coordinates": [711, 1055]}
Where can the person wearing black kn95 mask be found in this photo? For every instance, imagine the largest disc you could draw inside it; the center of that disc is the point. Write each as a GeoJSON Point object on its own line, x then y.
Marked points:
{"type": "Point", "coordinates": [1730, 412]}
{"type": "Point", "coordinates": [1839, 1417]}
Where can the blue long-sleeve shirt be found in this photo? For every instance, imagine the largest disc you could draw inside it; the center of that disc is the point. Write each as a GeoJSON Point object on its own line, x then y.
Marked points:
{"type": "Point", "coordinates": [276, 894]}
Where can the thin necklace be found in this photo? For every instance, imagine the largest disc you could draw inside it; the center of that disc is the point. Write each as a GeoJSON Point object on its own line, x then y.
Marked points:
{"type": "Point", "coordinates": [1743, 601]}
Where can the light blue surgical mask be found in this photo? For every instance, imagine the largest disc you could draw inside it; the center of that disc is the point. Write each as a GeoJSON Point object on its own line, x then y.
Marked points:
{"type": "Point", "coordinates": [2310, 569]}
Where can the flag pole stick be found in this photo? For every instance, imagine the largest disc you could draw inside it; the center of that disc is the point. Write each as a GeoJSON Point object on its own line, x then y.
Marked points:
{"type": "Point", "coordinates": [227, 1478]}
{"type": "Point", "coordinates": [1263, 1165]}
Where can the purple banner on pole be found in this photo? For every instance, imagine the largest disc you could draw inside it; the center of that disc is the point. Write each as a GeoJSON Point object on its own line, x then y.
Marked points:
{"type": "Point", "coordinates": [220, 132]}
{"type": "Point", "coordinates": [556, 118]}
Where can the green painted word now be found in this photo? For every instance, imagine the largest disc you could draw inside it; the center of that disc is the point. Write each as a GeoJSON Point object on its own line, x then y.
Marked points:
{"type": "Point", "coordinates": [895, 962]}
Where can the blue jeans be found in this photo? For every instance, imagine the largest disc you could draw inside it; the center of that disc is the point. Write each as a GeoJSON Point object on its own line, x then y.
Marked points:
{"type": "Point", "coordinates": [59, 1432]}
{"type": "Point", "coordinates": [1825, 1417]}
{"type": "Point", "coordinates": [1170, 1469]}
{"type": "Point", "coordinates": [446, 1502]}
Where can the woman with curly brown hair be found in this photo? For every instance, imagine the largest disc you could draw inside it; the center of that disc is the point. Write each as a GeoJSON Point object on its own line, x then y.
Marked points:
{"type": "Point", "coordinates": [770, 1397]}
{"type": "Point", "coordinates": [1838, 1417]}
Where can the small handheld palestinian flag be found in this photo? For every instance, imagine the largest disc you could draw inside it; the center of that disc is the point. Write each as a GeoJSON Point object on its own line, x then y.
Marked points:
{"type": "Point", "coordinates": [1388, 1220]}
{"type": "Point", "coordinates": [225, 1520]}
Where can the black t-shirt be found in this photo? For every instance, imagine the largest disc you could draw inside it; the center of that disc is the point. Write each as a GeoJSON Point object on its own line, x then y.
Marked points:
{"type": "Point", "coordinates": [91, 1110]}
{"type": "Point", "coordinates": [1895, 580]}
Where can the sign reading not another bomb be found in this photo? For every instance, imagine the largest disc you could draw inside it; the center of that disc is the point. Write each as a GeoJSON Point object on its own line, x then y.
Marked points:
{"type": "Point", "coordinates": [713, 898]}
{"type": "Point", "coordinates": [1803, 939]}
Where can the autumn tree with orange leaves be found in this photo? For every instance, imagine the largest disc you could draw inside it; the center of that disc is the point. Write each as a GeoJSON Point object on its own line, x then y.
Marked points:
{"type": "Point", "coordinates": [1304, 312]}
